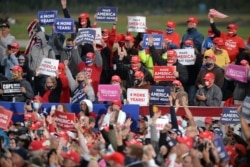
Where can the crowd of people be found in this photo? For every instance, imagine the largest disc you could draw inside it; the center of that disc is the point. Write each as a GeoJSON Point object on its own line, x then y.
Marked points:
{"type": "Point", "coordinates": [107, 139]}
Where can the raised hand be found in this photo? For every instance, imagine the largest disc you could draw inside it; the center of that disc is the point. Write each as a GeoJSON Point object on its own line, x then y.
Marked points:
{"type": "Point", "coordinates": [64, 4]}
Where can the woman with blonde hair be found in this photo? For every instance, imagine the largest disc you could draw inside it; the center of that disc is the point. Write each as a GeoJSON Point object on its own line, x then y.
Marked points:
{"type": "Point", "coordinates": [81, 87]}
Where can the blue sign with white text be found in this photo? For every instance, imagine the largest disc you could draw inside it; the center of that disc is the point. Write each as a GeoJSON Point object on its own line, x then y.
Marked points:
{"type": "Point", "coordinates": [157, 40]}
{"type": "Point", "coordinates": [219, 145]}
{"type": "Point", "coordinates": [230, 116]}
{"type": "Point", "coordinates": [47, 17]}
{"type": "Point", "coordinates": [245, 111]}
{"type": "Point", "coordinates": [85, 35]}
{"type": "Point", "coordinates": [64, 25]}
{"type": "Point", "coordinates": [159, 95]}
{"type": "Point", "coordinates": [106, 14]}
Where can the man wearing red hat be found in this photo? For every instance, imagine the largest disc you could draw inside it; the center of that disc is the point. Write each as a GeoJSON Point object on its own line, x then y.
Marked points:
{"type": "Point", "coordinates": [193, 34]}
{"type": "Point", "coordinates": [234, 44]}
{"type": "Point", "coordinates": [210, 94]}
{"type": "Point", "coordinates": [25, 87]}
{"type": "Point", "coordinates": [208, 42]}
{"type": "Point", "coordinates": [171, 37]}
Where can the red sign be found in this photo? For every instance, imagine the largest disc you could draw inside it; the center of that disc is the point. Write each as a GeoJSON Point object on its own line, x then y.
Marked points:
{"type": "Point", "coordinates": [5, 117]}
{"type": "Point", "coordinates": [65, 121]}
{"type": "Point", "coordinates": [164, 73]}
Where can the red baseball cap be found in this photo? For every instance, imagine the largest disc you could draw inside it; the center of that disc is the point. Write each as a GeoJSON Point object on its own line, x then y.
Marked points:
{"type": "Point", "coordinates": [117, 102]}
{"type": "Point", "coordinates": [189, 42]}
{"type": "Point", "coordinates": [139, 74]}
{"type": "Point", "coordinates": [28, 116]}
{"type": "Point", "coordinates": [171, 24]}
{"type": "Point", "coordinates": [211, 56]}
{"type": "Point", "coordinates": [209, 76]}
{"type": "Point", "coordinates": [120, 37]}
{"type": "Point", "coordinates": [219, 41]}
{"type": "Point", "coordinates": [72, 155]}
{"type": "Point", "coordinates": [84, 16]}
{"type": "Point", "coordinates": [177, 83]}
{"type": "Point", "coordinates": [15, 45]}
{"type": "Point", "coordinates": [207, 135]}
{"type": "Point", "coordinates": [232, 27]}
{"type": "Point", "coordinates": [33, 126]}
{"type": "Point", "coordinates": [38, 98]}
{"type": "Point", "coordinates": [135, 59]}
{"type": "Point", "coordinates": [129, 38]}
{"type": "Point", "coordinates": [210, 32]}
{"type": "Point", "coordinates": [241, 148]}
{"type": "Point", "coordinates": [193, 20]}
{"type": "Point", "coordinates": [171, 53]}
{"type": "Point", "coordinates": [116, 78]}
{"type": "Point", "coordinates": [244, 62]}
{"type": "Point", "coordinates": [116, 157]}
{"type": "Point", "coordinates": [208, 120]}
{"type": "Point", "coordinates": [187, 140]}
{"type": "Point", "coordinates": [17, 68]}
{"type": "Point", "coordinates": [133, 142]}
{"type": "Point", "coordinates": [36, 145]}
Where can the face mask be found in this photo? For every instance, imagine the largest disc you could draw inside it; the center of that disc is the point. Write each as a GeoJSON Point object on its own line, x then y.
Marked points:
{"type": "Point", "coordinates": [89, 61]}
{"type": "Point", "coordinates": [137, 81]}
{"type": "Point", "coordinates": [184, 123]}
{"type": "Point", "coordinates": [207, 83]}
{"type": "Point", "coordinates": [188, 47]}
{"type": "Point", "coordinates": [49, 87]}
{"type": "Point", "coordinates": [169, 30]}
{"type": "Point", "coordinates": [190, 29]}
{"type": "Point", "coordinates": [80, 82]}
{"type": "Point", "coordinates": [38, 43]}
{"type": "Point", "coordinates": [21, 63]}
{"type": "Point", "coordinates": [69, 48]}
{"type": "Point", "coordinates": [35, 106]}
{"type": "Point", "coordinates": [209, 65]}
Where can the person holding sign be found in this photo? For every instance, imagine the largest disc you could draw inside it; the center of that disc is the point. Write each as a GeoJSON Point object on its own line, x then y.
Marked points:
{"type": "Point", "coordinates": [181, 72]}
{"type": "Point", "coordinates": [210, 94]}
{"type": "Point", "coordinates": [80, 88]}
{"type": "Point", "coordinates": [139, 81]}
{"type": "Point", "coordinates": [25, 88]}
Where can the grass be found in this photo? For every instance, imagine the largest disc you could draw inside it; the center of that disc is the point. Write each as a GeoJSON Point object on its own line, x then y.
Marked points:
{"type": "Point", "coordinates": [153, 22]}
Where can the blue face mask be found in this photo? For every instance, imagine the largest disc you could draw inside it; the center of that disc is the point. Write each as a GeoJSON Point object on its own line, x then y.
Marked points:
{"type": "Point", "coordinates": [169, 30]}
{"type": "Point", "coordinates": [89, 61]}
{"type": "Point", "coordinates": [188, 47]}
{"type": "Point", "coordinates": [69, 48]}
{"type": "Point", "coordinates": [184, 123]}
{"type": "Point", "coordinates": [35, 106]}
{"type": "Point", "coordinates": [38, 43]}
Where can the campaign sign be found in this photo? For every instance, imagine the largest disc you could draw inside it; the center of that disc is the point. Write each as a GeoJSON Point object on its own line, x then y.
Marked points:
{"type": "Point", "coordinates": [245, 111]}
{"type": "Point", "coordinates": [164, 73]}
{"type": "Point", "coordinates": [157, 40]}
{"type": "Point", "coordinates": [98, 35]}
{"type": "Point", "coordinates": [136, 24]}
{"type": "Point", "coordinates": [219, 145]}
{"type": "Point", "coordinates": [150, 31]}
{"type": "Point", "coordinates": [78, 95]}
{"type": "Point", "coordinates": [186, 56]}
{"type": "Point", "coordinates": [109, 92]}
{"type": "Point", "coordinates": [11, 88]}
{"type": "Point", "coordinates": [64, 25]}
{"type": "Point", "coordinates": [230, 116]}
{"type": "Point", "coordinates": [5, 117]}
{"type": "Point", "coordinates": [85, 35]}
{"type": "Point", "coordinates": [65, 121]}
{"type": "Point", "coordinates": [47, 17]}
{"type": "Point", "coordinates": [237, 72]}
{"type": "Point", "coordinates": [138, 96]}
{"type": "Point", "coordinates": [160, 123]}
{"type": "Point", "coordinates": [106, 14]}
{"type": "Point", "coordinates": [159, 95]}
{"type": "Point", "coordinates": [48, 67]}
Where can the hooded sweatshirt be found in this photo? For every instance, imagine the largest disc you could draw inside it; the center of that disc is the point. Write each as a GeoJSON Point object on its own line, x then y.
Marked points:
{"type": "Point", "coordinates": [37, 53]}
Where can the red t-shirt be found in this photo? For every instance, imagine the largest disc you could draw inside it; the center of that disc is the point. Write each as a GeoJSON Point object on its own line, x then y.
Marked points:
{"type": "Point", "coordinates": [232, 45]}
{"type": "Point", "coordinates": [173, 38]}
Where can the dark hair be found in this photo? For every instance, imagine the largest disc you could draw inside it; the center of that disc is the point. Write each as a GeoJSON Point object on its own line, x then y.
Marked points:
{"type": "Point", "coordinates": [70, 39]}
{"type": "Point", "coordinates": [51, 152]}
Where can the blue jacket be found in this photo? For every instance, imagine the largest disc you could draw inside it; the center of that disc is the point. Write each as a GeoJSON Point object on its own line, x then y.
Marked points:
{"type": "Point", "coordinates": [8, 62]}
{"type": "Point", "coordinates": [194, 35]}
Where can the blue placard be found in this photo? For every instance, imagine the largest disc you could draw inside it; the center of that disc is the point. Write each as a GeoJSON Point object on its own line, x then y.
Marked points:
{"type": "Point", "coordinates": [85, 35]}
{"type": "Point", "coordinates": [159, 95]}
{"type": "Point", "coordinates": [230, 116]}
{"type": "Point", "coordinates": [47, 17]}
{"type": "Point", "coordinates": [106, 14]}
{"type": "Point", "coordinates": [219, 145]}
{"type": "Point", "coordinates": [64, 25]}
{"type": "Point", "coordinates": [157, 38]}
{"type": "Point", "coordinates": [245, 111]}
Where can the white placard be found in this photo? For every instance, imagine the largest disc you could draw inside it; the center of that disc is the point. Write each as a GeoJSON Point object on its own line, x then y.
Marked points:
{"type": "Point", "coordinates": [138, 96]}
{"type": "Point", "coordinates": [98, 34]}
{"type": "Point", "coordinates": [48, 67]}
{"type": "Point", "coordinates": [186, 56]}
{"type": "Point", "coordinates": [136, 24]}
